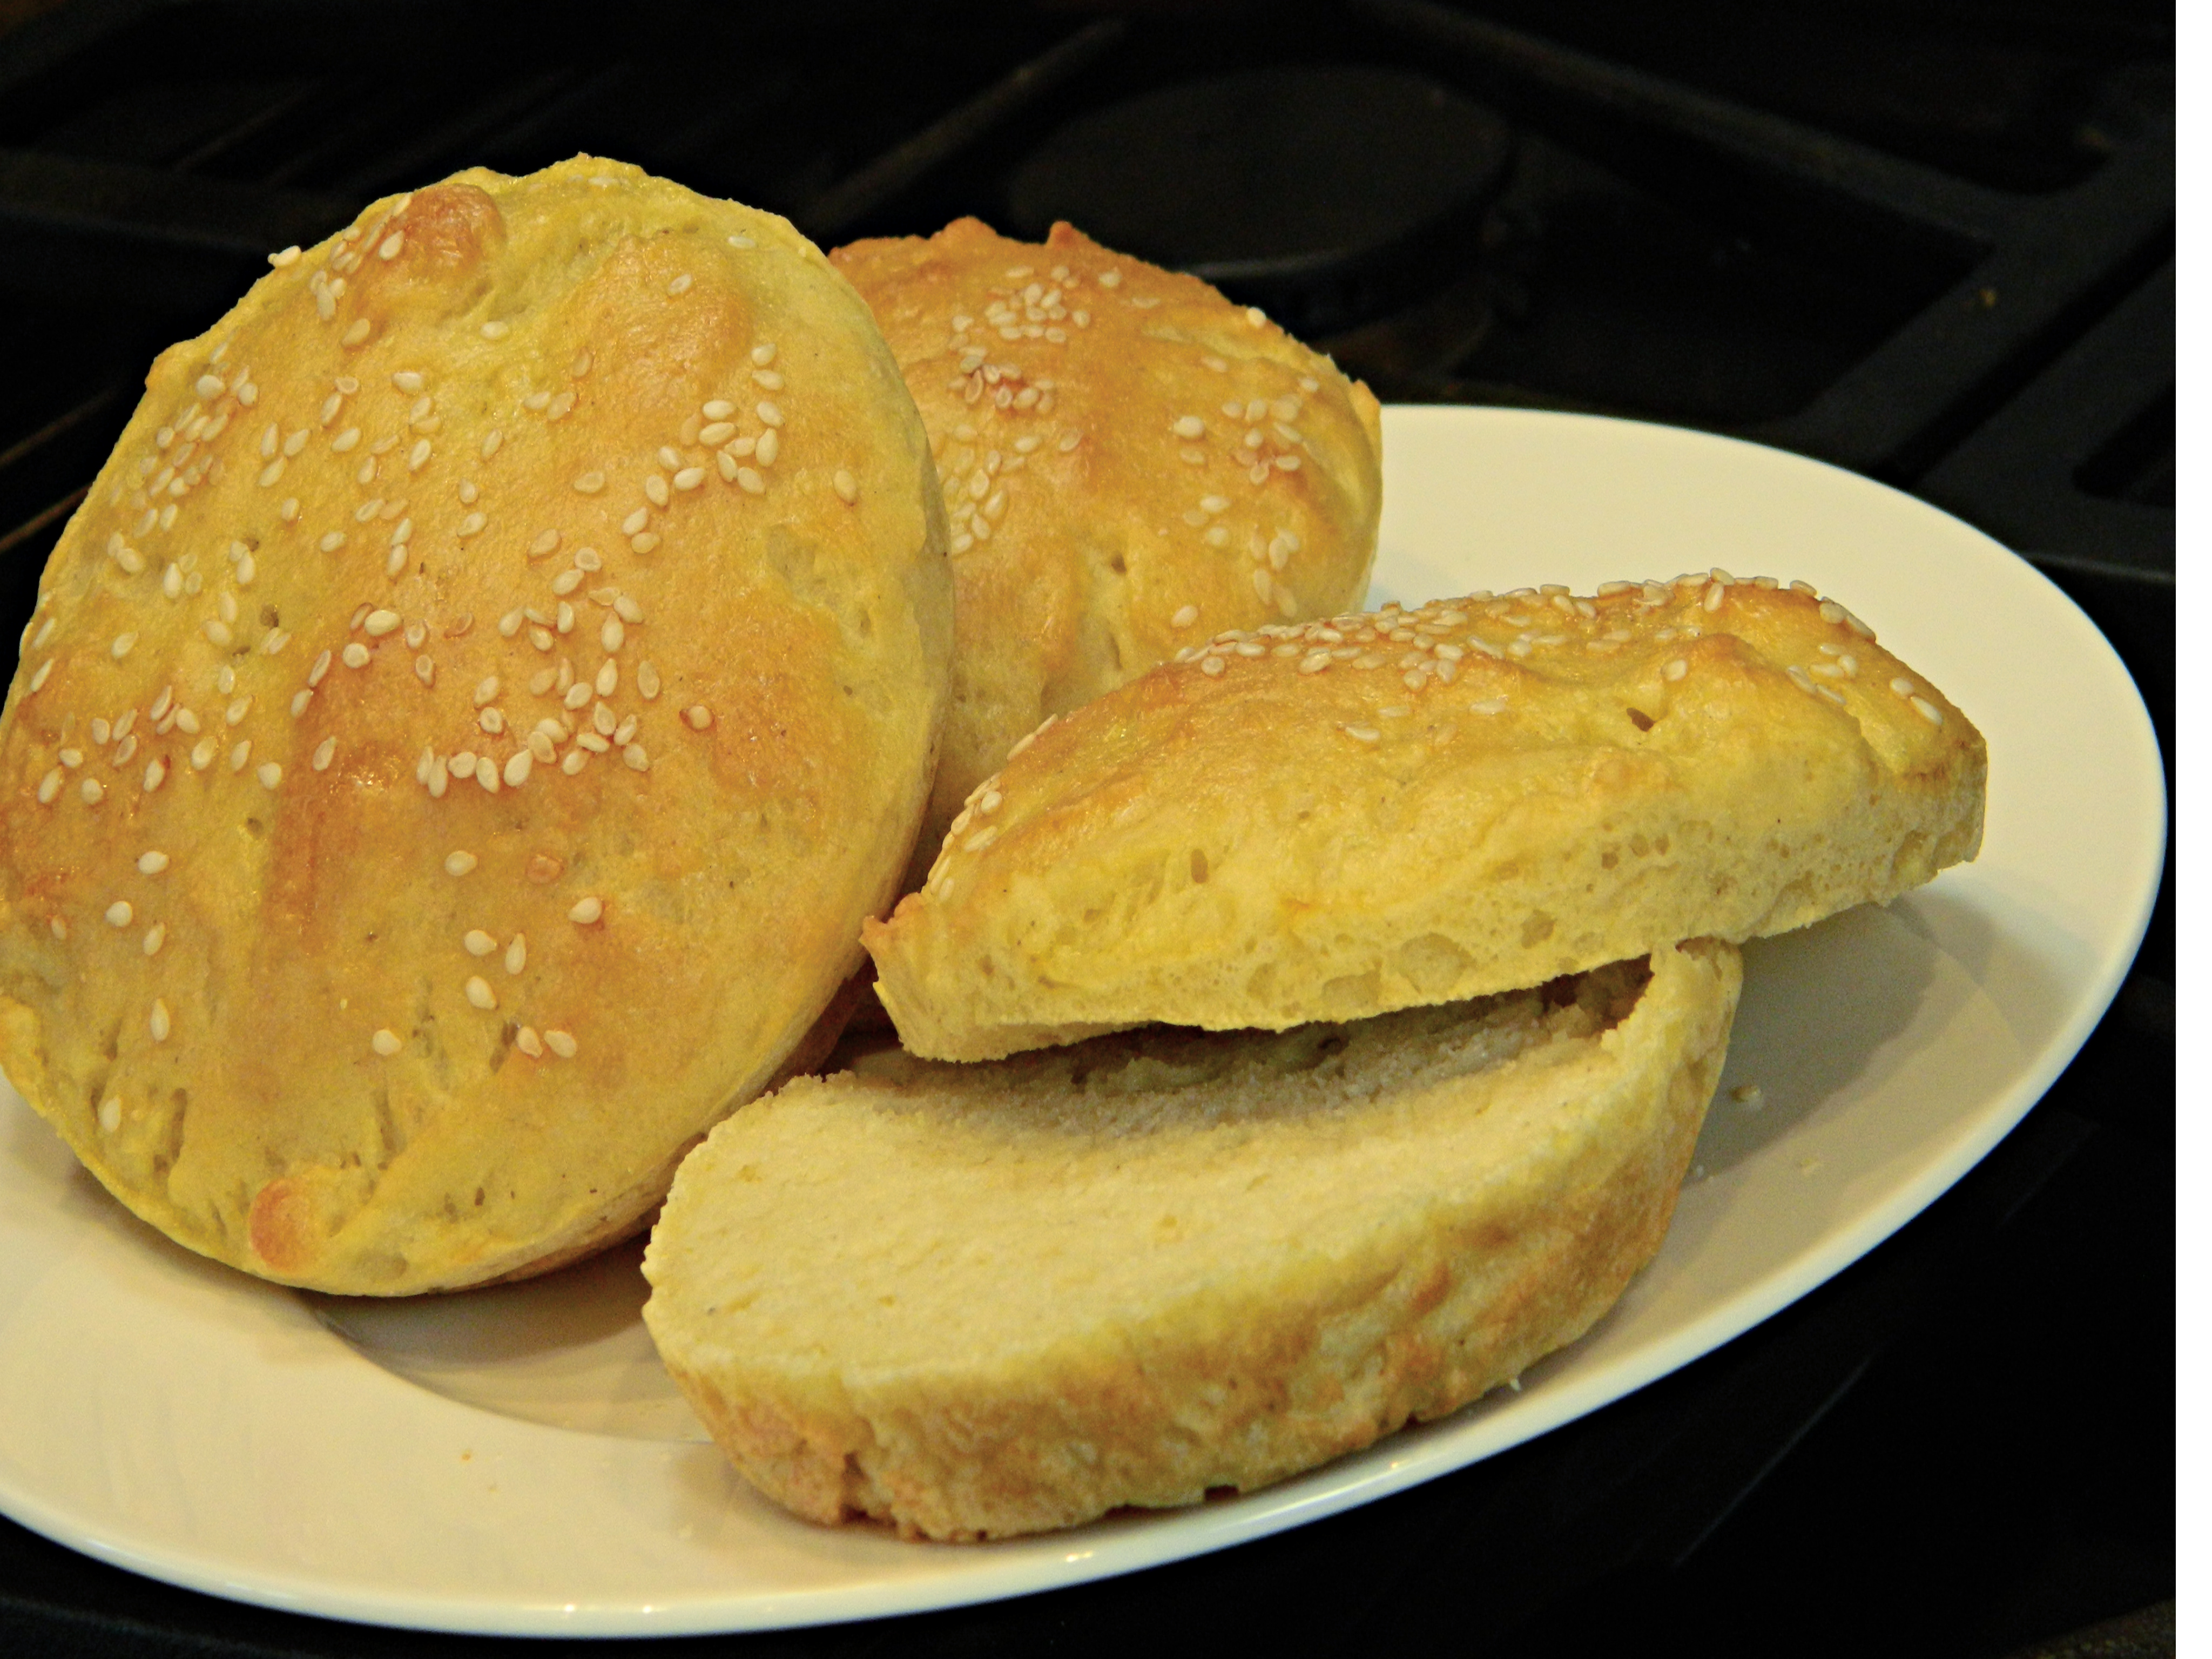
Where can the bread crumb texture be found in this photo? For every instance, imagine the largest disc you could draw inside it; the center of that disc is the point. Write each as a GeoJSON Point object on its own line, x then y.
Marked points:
{"type": "Point", "coordinates": [1331, 820]}
{"type": "Point", "coordinates": [461, 731]}
{"type": "Point", "coordinates": [981, 1300]}
{"type": "Point", "coordinates": [1130, 463]}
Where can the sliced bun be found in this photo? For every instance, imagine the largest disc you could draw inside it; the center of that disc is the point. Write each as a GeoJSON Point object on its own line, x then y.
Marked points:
{"type": "Point", "coordinates": [1107, 507]}
{"type": "Point", "coordinates": [1330, 821]}
{"type": "Point", "coordinates": [981, 1300]}
{"type": "Point", "coordinates": [462, 731]}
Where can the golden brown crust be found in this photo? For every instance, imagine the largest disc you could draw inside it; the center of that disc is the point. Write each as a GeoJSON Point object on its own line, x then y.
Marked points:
{"type": "Point", "coordinates": [1133, 1272]}
{"type": "Point", "coordinates": [1106, 508]}
{"type": "Point", "coordinates": [1328, 822]}
{"type": "Point", "coordinates": [445, 776]}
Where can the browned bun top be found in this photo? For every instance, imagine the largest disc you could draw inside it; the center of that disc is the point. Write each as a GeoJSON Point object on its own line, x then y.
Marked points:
{"type": "Point", "coordinates": [461, 733]}
{"type": "Point", "coordinates": [1336, 819]}
{"type": "Point", "coordinates": [1130, 463]}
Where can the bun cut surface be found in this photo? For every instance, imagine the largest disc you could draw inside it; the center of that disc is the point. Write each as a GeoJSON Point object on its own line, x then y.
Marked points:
{"type": "Point", "coordinates": [1334, 820]}
{"type": "Point", "coordinates": [460, 734]}
{"type": "Point", "coordinates": [1130, 462]}
{"type": "Point", "coordinates": [981, 1300]}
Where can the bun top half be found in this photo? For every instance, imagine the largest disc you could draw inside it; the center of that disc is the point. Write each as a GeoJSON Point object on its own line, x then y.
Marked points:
{"type": "Point", "coordinates": [459, 736]}
{"type": "Point", "coordinates": [1334, 820]}
{"type": "Point", "coordinates": [1131, 464]}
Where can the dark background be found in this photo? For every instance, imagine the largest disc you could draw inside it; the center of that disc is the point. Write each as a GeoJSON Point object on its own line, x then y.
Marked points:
{"type": "Point", "coordinates": [1932, 242]}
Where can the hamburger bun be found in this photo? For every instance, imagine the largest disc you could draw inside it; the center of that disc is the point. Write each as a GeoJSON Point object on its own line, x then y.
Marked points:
{"type": "Point", "coordinates": [459, 736]}
{"type": "Point", "coordinates": [1331, 821]}
{"type": "Point", "coordinates": [974, 1301]}
{"type": "Point", "coordinates": [1130, 463]}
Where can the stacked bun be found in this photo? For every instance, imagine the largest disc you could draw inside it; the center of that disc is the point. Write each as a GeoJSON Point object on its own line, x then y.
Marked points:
{"type": "Point", "coordinates": [1479, 863]}
{"type": "Point", "coordinates": [463, 731]}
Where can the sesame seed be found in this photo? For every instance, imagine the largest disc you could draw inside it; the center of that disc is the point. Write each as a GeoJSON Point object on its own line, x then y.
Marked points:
{"type": "Point", "coordinates": [270, 773]}
{"type": "Point", "coordinates": [547, 540]}
{"type": "Point", "coordinates": [151, 944]}
{"type": "Point", "coordinates": [379, 623]}
{"type": "Point", "coordinates": [1928, 711]}
{"type": "Point", "coordinates": [281, 259]}
{"type": "Point", "coordinates": [479, 993]}
{"type": "Point", "coordinates": [770, 416]}
{"type": "Point", "coordinates": [562, 1044]}
{"type": "Point", "coordinates": [385, 1042]}
{"type": "Point", "coordinates": [847, 488]}
{"type": "Point", "coordinates": [494, 330]}
{"type": "Point", "coordinates": [590, 483]}
{"type": "Point", "coordinates": [119, 913]}
{"type": "Point", "coordinates": [679, 285]}
{"type": "Point", "coordinates": [689, 478]}
{"type": "Point", "coordinates": [152, 864]}
{"type": "Point", "coordinates": [698, 717]}
{"type": "Point", "coordinates": [1360, 733]}
{"type": "Point", "coordinates": [357, 333]}
{"type": "Point", "coordinates": [157, 1023]}
{"type": "Point", "coordinates": [1189, 426]}
{"type": "Point", "coordinates": [490, 447]}
{"type": "Point", "coordinates": [408, 380]}
{"type": "Point", "coordinates": [517, 771]}
{"type": "Point", "coordinates": [1676, 669]}
{"type": "Point", "coordinates": [460, 864]}
{"type": "Point", "coordinates": [526, 1039]}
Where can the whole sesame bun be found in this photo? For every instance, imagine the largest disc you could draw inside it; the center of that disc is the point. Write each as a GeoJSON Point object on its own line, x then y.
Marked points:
{"type": "Point", "coordinates": [1412, 806]}
{"type": "Point", "coordinates": [979, 1300]}
{"type": "Point", "coordinates": [1130, 463]}
{"type": "Point", "coordinates": [459, 736]}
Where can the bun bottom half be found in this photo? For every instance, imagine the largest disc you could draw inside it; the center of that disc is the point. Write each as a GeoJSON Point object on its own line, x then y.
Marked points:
{"type": "Point", "coordinates": [981, 1300]}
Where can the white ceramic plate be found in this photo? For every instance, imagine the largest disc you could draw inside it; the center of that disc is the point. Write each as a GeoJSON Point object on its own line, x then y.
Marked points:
{"type": "Point", "coordinates": [514, 1461]}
